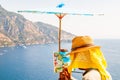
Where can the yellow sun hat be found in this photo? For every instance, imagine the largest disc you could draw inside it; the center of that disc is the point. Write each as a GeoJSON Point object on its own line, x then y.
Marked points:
{"type": "Point", "coordinates": [82, 42]}
{"type": "Point", "coordinates": [84, 54]}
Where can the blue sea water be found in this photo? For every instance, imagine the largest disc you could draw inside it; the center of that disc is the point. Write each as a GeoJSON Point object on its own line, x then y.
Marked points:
{"type": "Point", "coordinates": [36, 62]}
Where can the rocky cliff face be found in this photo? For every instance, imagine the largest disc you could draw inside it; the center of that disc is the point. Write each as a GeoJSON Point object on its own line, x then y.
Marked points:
{"type": "Point", "coordinates": [5, 41]}
{"type": "Point", "coordinates": [16, 30]}
{"type": "Point", "coordinates": [51, 32]}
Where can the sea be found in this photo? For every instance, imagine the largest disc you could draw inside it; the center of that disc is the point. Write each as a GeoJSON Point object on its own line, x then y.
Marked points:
{"type": "Point", "coordinates": [35, 62]}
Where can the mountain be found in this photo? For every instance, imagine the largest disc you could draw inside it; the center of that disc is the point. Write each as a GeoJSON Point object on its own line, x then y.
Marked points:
{"type": "Point", "coordinates": [51, 32]}
{"type": "Point", "coordinates": [16, 30]}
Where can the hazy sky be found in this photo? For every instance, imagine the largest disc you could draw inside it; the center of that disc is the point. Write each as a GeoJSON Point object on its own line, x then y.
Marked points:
{"type": "Point", "coordinates": [106, 26]}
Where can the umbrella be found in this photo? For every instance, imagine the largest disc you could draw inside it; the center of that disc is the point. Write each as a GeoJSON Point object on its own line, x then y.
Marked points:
{"type": "Point", "coordinates": [60, 15]}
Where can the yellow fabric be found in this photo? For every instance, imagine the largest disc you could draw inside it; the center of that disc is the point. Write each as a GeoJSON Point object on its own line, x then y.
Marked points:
{"type": "Point", "coordinates": [89, 57]}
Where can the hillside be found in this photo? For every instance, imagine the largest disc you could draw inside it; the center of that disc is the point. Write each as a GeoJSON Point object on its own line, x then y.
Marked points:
{"type": "Point", "coordinates": [16, 30]}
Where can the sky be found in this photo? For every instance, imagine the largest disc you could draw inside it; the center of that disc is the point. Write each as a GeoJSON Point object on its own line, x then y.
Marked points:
{"type": "Point", "coordinates": [106, 26]}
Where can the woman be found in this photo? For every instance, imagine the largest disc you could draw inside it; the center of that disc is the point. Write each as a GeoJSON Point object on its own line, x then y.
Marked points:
{"type": "Point", "coordinates": [87, 56]}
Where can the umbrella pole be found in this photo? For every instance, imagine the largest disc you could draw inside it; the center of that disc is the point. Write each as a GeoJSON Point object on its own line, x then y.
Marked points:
{"type": "Point", "coordinates": [59, 35]}
{"type": "Point", "coordinates": [60, 16]}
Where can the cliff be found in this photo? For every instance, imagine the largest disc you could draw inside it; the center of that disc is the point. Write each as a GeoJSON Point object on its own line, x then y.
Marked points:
{"type": "Point", "coordinates": [16, 30]}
